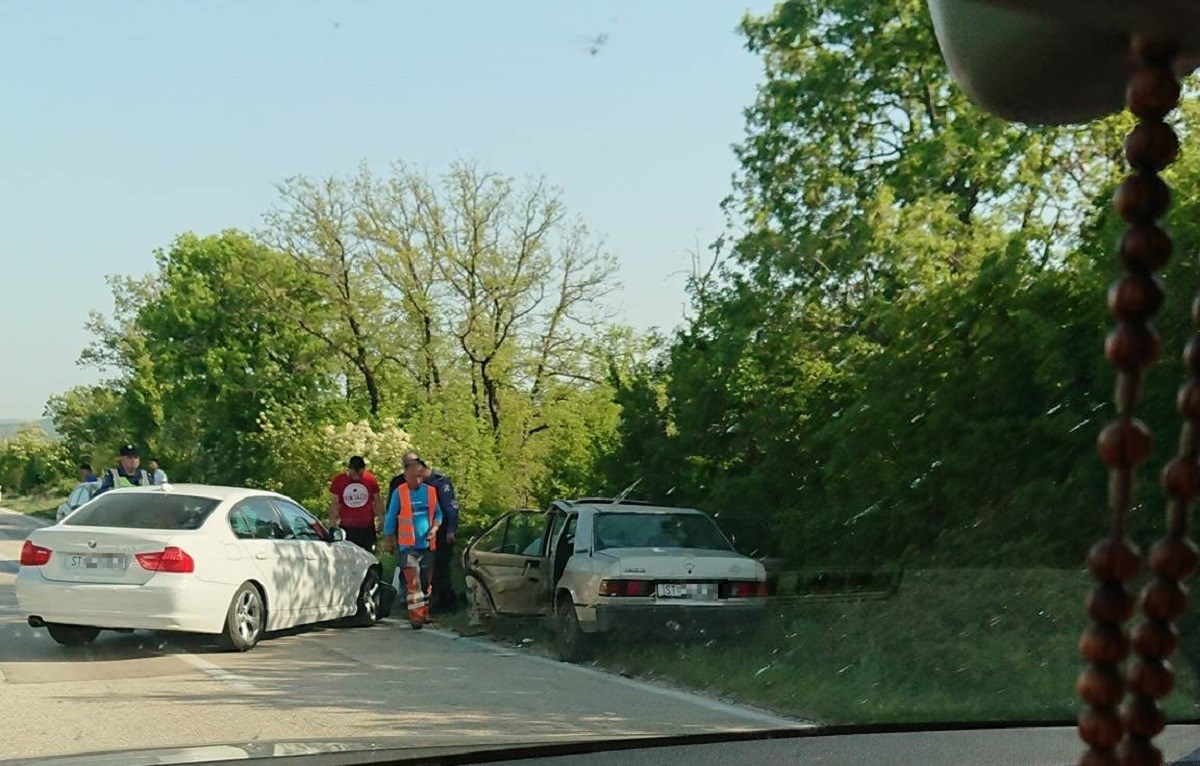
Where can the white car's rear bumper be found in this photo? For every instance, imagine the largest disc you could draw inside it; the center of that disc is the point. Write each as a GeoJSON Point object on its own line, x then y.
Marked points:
{"type": "Point", "coordinates": [165, 602]}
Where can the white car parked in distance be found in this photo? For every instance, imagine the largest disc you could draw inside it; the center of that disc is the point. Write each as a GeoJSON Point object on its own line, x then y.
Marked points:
{"type": "Point", "coordinates": [83, 492]}
{"type": "Point", "coordinates": [194, 558]}
{"type": "Point", "coordinates": [598, 566]}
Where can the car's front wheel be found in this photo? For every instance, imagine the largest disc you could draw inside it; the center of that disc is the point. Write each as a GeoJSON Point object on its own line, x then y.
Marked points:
{"type": "Point", "coordinates": [573, 644]}
{"type": "Point", "coordinates": [245, 619]}
{"type": "Point", "coordinates": [369, 595]}
{"type": "Point", "coordinates": [72, 635]}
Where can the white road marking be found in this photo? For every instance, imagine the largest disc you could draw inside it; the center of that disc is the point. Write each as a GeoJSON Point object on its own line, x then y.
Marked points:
{"type": "Point", "coordinates": [681, 696]}
{"type": "Point", "coordinates": [232, 680]}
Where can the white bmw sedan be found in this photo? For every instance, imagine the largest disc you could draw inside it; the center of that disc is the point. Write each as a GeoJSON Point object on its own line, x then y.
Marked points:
{"type": "Point", "coordinates": [193, 558]}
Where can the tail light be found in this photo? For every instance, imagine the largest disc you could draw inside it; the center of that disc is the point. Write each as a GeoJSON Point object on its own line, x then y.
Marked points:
{"type": "Point", "coordinates": [635, 588]}
{"type": "Point", "coordinates": [744, 589]}
{"type": "Point", "coordinates": [34, 555]}
{"type": "Point", "coordinates": [170, 559]}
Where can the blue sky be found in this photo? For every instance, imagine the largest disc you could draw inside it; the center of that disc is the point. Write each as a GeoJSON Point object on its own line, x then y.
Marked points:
{"type": "Point", "coordinates": [128, 123]}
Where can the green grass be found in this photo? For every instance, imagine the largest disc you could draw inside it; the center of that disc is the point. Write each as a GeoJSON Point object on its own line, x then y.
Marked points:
{"type": "Point", "coordinates": [952, 645]}
{"type": "Point", "coordinates": [43, 506]}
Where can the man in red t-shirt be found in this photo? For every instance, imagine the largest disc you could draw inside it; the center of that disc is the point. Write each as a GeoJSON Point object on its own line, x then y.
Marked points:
{"type": "Point", "coordinates": [355, 505]}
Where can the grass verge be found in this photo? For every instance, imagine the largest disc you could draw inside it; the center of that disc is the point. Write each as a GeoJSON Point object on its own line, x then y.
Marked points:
{"type": "Point", "coordinates": [952, 645]}
{"type": "Point", "coordinates": [41, 506]}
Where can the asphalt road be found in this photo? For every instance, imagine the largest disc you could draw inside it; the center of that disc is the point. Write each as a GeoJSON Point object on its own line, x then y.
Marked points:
{"type": "Point", "coordinates": [165, 690]}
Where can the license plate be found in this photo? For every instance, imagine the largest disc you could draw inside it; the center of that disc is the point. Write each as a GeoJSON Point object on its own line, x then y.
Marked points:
{"type": "Point", "coordinates": [692, 591]}
{"type": "Point", "coordinates": [96, 561]}
{"type": "Point", "coordinates": [673, 590]}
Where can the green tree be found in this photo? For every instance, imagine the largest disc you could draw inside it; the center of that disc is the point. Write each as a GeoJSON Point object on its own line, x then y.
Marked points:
{"type": "Point", "coordinates": [202, 351]}
{"type": "Point", "coordinates": [89, 419]}
{"type": "Point", "coordinates": [896, 353]}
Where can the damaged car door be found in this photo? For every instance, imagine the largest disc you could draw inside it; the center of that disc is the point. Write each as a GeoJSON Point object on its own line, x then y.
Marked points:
{"type": "Point", "coordinates": [509, 561]}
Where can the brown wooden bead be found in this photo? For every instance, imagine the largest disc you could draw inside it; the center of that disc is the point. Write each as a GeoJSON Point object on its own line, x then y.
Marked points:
{"type": "Point", "coordinates": [1154, 638]}
{"type": "Point", "coordinates": [1152, 146]}
{"type": "Point", "coordinates": [1142, 198]}
{"type": "Point", "coordinates": [1100, 686]}
{"type": "Point", "coordinates": [1143, 717]}
{"type": "Point", "coordinates": [1176, 558]}
{"type": "Point", "coordinates": [1136, 751]}
{"type": "Point", "coordinates": [1124, 443]}
{"type": "Point", "coordinates": [1164, 599]}
{"type": "Point", "coordinates": [1151, 678]}
{"type": "Point", "coordinates": [1135, 296]}
{"type": "Point", "coordinates": [1191, 356]}
{"type": "Point", "coordinates": [1181, 477]}
{"type": "Point", "coordinates": [1130, 348]}
{"type": "Point", "coordinates": [1115, 560]}
{"type": "Point", "coordinates": [1152, 92]}
{"type": "Point", "coordinates": [1187, 401]}
{"type": "Point", "coordinates": [1101, 727]}
{"type": "Point", "coordinates": [1153, 48]}
{"type": "Point", "coordinates": [1145, 247]}
{"type": "Point", "coordinates": [1108, 602]}
{"type": "Point", "coordinates": [1103, 644]}
{"type": "Point", "coordinates": [1095, 756]}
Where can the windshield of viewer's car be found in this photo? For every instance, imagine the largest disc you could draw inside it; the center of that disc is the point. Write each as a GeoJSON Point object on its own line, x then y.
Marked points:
{"type": "Point", "coordinates": [727, 346]}
{"type": "Point", "coordinates": [141, 510]}
{"type": "Point", "coordinates": [658, 530]}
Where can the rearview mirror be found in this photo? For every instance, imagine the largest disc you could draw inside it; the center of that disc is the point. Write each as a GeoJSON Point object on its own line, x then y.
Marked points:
{"type": "Point", "coordinates": [338, 534]}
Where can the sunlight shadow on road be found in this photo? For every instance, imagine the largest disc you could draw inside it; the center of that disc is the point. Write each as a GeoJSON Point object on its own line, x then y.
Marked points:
{"type": "Point", "coordinates": [389, 680]}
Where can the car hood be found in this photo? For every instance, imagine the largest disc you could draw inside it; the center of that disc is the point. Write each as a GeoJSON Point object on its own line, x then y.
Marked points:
{"type": "Point", "coordinates": [683, 562]}
{"type": "Point", "coordinates": [342, 752]}
{"type": "Point", "coordinates": [950, 744]}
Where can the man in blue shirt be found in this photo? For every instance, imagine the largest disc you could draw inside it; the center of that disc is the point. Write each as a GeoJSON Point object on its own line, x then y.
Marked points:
{"type": "Point", "coordinates": [410, 527]}
{"type": "Point", "coordinates": [128, 473]}
{"type": "Point", "coordinates": [444, 599]}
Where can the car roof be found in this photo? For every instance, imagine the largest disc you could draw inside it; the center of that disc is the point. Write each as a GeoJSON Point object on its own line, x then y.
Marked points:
{"type": "Point", "coordinates": [609, 501]}
{"type": "Point", "coordinates": [611, 507]}
{"type": "Point", "coordinates": [211, 491]}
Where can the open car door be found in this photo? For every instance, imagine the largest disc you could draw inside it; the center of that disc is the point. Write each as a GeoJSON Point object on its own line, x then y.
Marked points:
{"type": "Point", "coordinates": [509, 561]}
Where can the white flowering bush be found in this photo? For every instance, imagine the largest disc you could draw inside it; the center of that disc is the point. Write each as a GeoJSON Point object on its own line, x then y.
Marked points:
{"type": "Point", "coordinates": [306, 457]}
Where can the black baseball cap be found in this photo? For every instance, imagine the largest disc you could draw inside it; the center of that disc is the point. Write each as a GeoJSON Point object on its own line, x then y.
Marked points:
{"type": "Point", "coordinates": [357, 463]}
{"type": "Point", "coordinates": [129, 450]}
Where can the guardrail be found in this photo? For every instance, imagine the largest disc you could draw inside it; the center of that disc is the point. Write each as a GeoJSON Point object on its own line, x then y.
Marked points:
{"type": "Point", "coordinates": [822, 585]}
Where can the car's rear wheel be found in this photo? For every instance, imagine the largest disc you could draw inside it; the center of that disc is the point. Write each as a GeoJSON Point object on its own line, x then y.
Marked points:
{"type": "Point", "coordinates": [245, 619]}
{"type": "Point", "coordinates": [369, 595]}
{"type": "Point", "coordinates": [72, 635]}
{"type": "Point", "coordinates": [573, 644]}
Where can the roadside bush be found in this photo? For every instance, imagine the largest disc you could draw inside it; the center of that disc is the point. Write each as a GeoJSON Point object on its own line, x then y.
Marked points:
{"type": "Point", "coordinates": [31, 461]}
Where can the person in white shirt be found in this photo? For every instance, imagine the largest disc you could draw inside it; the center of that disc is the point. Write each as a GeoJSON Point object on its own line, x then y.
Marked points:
{"type": "Point", "coordinates": [159, 476]}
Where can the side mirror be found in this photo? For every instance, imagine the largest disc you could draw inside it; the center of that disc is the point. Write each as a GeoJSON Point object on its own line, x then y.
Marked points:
{"type": "Point", "coordinates": [337, 534]}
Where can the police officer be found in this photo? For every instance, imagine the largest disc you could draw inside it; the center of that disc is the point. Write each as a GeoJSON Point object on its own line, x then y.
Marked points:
{"type": "Point", "coordinates": [128, 473]}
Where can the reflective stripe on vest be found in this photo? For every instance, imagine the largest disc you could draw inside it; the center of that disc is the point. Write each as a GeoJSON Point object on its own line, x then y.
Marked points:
{"type": "Point", "coordinates": [406, 535]}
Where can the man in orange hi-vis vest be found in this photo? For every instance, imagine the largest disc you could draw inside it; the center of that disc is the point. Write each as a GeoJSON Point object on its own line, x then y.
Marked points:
{"type": "Point", "coordinates": [410, 528]}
